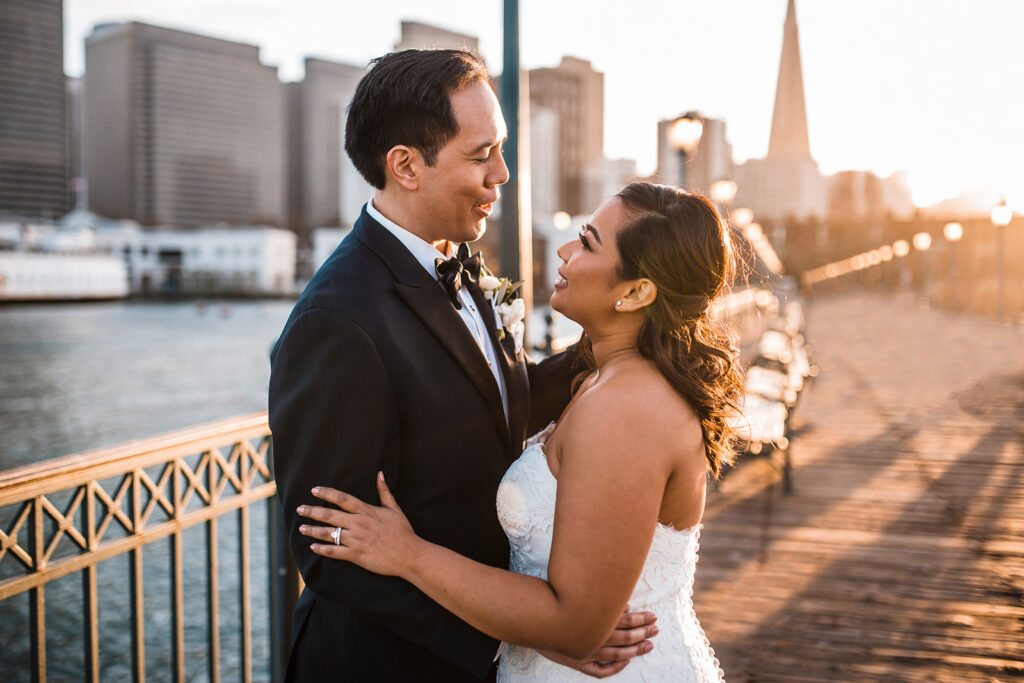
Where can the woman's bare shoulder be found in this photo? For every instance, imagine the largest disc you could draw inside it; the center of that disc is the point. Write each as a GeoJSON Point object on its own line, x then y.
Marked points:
{"type": "Point", "coordinates": [636, 407]}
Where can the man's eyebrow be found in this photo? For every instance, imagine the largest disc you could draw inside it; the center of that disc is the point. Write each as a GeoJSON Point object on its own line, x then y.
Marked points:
{"type": "Point", "coordinates": [487, 145]}
{"type": "Point", "coordinates": [591, 229]}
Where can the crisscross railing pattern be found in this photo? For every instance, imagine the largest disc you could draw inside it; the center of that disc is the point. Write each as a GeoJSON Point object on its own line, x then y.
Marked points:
{"type": "Point", "coordinates": [119, 500]}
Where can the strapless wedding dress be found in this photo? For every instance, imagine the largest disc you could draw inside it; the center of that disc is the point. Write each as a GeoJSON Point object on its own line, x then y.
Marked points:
{"type": "Point", "coordinates": [681, 654]}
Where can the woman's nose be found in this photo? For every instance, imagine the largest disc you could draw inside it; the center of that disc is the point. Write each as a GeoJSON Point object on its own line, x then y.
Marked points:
{"type": "Point", "coordinates": [565, 251]}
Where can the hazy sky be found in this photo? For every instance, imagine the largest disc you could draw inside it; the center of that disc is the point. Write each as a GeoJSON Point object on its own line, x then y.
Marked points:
{"type": "Point", "coordinates": [935, 87]}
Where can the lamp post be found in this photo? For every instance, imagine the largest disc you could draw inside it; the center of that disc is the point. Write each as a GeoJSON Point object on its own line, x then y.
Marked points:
{"type": "Point", "coordinates": [953, 232]}
{"type": "Point", "coordinates": [922, 242]}
{"type": "Point", "coordinates": [684, 136]}
{"type": "Point", "coordinates": [901, 248]}
{"type": "Point", "coordinates": [1001, 217]}
{"type": "Point", "coordinates": [723, 191]}
{"type": "Point", "coordinates": [742, 217]}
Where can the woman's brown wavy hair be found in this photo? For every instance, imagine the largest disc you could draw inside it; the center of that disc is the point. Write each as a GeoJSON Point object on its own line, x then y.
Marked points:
{"type": "Point", "coordinates": [678, 241]}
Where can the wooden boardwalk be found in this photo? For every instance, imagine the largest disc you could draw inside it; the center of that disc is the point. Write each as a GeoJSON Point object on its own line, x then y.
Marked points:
{"type": "Point", "coordinates": [900, 555]}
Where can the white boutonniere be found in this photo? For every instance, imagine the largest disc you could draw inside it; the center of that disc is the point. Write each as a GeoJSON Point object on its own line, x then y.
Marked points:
{"type": "Point", "coordinates": [509, 307]}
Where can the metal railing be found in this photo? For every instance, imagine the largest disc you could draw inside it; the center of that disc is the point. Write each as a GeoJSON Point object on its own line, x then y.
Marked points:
{"type": "Point", "coordinates": [72, 513]}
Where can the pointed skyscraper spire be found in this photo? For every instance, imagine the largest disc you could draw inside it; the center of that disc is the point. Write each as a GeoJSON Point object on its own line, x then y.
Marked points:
{"type": "Point", "coordinates": [789, 120]}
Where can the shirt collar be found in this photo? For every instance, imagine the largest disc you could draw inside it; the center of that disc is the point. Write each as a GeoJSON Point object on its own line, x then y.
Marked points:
{"type": "Point", "coordinates": [423, 251]}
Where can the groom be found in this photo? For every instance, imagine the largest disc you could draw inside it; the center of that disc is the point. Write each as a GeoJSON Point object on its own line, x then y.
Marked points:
{"type": "Point", "coordinates": [386, 365]}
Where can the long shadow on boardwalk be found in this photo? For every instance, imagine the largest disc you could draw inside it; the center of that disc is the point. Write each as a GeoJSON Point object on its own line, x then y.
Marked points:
{"type": "Point", "coordinates": [861, 587]}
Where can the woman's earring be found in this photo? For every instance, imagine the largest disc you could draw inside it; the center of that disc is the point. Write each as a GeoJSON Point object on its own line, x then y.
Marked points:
{"type": "Point", "coordinates": [618, 303]}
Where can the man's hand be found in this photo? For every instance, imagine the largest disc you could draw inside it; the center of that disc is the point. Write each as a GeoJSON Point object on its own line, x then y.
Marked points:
{"type": "Point", "coordinates": [628, 640]}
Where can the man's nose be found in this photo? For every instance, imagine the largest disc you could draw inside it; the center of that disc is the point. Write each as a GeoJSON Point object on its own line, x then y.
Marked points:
{"type": "Point", "coordinates": [501, 174]}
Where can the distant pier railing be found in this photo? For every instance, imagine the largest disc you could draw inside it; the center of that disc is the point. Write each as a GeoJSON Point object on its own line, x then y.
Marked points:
{"type": "Point", "coordinates": [67, 515]}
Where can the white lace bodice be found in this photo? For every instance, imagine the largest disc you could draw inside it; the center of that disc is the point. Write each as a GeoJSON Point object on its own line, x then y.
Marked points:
{"type": "Point", "coordinates": [682, 653]}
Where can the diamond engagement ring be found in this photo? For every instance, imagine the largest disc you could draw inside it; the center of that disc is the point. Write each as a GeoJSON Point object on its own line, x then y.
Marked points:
{"type": "Point", "coordinates": [336, 535]}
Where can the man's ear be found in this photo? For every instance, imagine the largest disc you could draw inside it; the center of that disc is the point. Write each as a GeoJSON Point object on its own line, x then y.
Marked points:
{"type": "Point", "coordinates": [401, 163]}
{"type": "Point", "coordinates": [641, 294]}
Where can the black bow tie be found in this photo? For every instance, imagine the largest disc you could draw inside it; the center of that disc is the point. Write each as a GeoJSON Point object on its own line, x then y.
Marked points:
{"type": "Point", "coordinates": [462, 267]}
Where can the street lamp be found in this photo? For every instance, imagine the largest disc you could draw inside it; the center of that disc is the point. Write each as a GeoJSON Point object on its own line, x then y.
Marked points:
{"type": "Point", "coordinates": [953, 232]}
{"type": "Point", "coordinates": [684, 136]}
{"type": "Point", "coordinates": [562, 221]}
{"type": "Point", "coordinates": [901, 248]}
{"type": "Point", "coordinates": [922, 242]}
{"type": "Point", "coordinates": [723, 191]}
{"type": "Point", "coordinates": [742, 217]}
{"type": "Point", "coordinates": [1001, 217]}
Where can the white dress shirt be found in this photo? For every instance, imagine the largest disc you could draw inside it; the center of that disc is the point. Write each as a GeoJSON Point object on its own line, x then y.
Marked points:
{"type": "Point", "coordinates": [474, 319]}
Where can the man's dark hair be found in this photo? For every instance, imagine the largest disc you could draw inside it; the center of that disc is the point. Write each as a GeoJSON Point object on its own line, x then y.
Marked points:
{"type": "Point", "coordinates": [405, 99]}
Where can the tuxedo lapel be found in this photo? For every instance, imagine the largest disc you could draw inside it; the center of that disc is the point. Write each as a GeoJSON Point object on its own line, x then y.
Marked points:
{"type": "Point", "coordinates": [516, 382]}
{"type": "Point", "coordinates": [433, 308]}
{"type": "Point", "coordinates": [431, 305]}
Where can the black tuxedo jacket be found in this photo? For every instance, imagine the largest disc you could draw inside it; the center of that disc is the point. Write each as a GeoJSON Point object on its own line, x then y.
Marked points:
{"type": "Point", "coordinates": [375, 370]}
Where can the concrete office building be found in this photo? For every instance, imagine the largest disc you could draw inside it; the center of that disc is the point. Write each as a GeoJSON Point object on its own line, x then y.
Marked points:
{"type": "Point", "coordinates": [544, 164]}
{"type": "Point", "coordinates": [182, 129]}
{"type": "Point", "coordinates": [711, 161]}
{"type": "Point", "coordinates": [575, 91]}
{"type": "Point", "coordinates": [324, 188]}
{"type": "Point", "coordinates": [424, 36]}
{"type": "Point", "coordinates": [75, 125]}
{"type": "Point", "coordinates": [33, 110]}
{"type": "Point", "coordinates": [606, 179]}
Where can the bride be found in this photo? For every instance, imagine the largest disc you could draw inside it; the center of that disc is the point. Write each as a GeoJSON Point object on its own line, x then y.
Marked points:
{"type": "Point", "coordinates": [629, 459]}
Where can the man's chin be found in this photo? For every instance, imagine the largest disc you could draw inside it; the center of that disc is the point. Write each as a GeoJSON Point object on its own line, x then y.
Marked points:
{"type": "Point", "coordinates": [475, 232]}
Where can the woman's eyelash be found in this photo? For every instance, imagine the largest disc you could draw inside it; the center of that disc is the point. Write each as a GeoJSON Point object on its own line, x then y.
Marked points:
{"type": "Point", "coordinates": [584, 240]}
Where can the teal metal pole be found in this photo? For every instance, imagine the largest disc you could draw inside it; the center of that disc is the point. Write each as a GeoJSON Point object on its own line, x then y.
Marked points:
{"type": "Point", "coordinates": [510, 209]}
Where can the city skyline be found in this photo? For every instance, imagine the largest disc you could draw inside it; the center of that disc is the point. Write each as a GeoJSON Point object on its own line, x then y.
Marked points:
{"type": "Point", "coordinates": [930, 93]}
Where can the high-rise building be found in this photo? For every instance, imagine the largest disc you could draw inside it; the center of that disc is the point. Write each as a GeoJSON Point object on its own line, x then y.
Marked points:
{"type": "Point", "coordinates": [710, 161]}
{"type": "Point", "coordinates": [182, 129]}
{"type": "Point", "coordinates": [858, 196]}
{"type": "Point", "coordinates": [544, 163]}
{"type": "Point", "coordinates": [423, 36]}
{"type": "Point", "coordinates": [325, 190]}
{"type": "Point", "coordinates": [787, 181]}
{"type": "Point", "coordinates": [76, 121]}
{"type": "Point", "coordinates": [33, 110]}
{"type": "Point", "coordinates": [575, 92]}
{"type": "Point", "coordinates": [606, 179]}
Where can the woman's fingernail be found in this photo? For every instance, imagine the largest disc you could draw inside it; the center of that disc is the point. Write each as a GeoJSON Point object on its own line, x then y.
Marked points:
{"type": "Point", "coordinates": [654, 630]}
{"type": "Point", "coordinates": [313, 547]}
{"type": "Point", "coordinates": [301, 509]}
{"type": "Point", "coordinates": [303, 528]}
{"type": "Point", "coordinates": [316, 489]}
{"type": "Point", "coordinates": [647, 647]}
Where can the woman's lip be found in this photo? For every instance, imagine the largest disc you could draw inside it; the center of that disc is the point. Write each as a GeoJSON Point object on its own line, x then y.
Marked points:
{"type": "Point", "coordinates": [561, 283]}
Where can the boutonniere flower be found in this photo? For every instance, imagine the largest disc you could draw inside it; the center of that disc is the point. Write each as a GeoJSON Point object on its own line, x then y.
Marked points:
{"type": "Point", "coordinates": [509, 307]}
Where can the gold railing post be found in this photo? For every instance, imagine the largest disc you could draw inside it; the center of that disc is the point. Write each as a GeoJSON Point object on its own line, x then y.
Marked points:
{"type": "Point", "coordinates": [37, 596]}
{"type": "Point", "coordinates": [135, 579]}
{"type": "Point", "coordinates": [90, 622]}
{"type": "Point", "coordinates": [213, 568]}
{"type": "Point", "coordinates": [177, 603]}
{"type": "Point", "coordinates": [243, 547]}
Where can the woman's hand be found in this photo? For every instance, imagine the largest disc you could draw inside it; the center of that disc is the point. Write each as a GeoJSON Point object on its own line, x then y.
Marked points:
{"type": "Point", "coordinates": [378, 539]}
